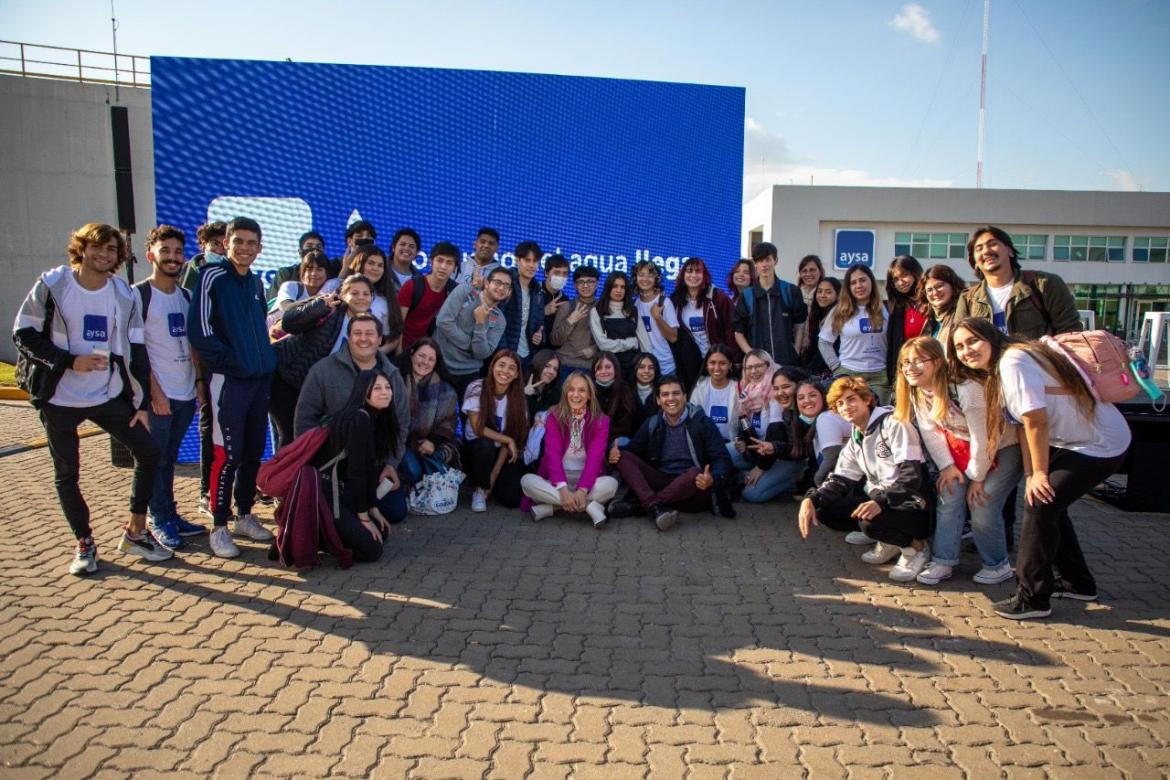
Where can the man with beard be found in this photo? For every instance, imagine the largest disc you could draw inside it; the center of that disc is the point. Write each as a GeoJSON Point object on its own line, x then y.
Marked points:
{"type": "Point", "coordinates": [164, 305]}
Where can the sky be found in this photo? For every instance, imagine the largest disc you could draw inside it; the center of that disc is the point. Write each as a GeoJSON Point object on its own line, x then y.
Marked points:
{"type": "Point", "coordinates": [847, 92]}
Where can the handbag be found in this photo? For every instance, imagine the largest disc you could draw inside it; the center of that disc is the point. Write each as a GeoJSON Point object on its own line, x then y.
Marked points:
{"type": "Point", "coordinates": [437, 493]}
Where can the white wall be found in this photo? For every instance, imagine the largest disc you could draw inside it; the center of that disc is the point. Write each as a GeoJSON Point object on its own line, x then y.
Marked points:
{"type": "Point", "coordinates": [57, 169]}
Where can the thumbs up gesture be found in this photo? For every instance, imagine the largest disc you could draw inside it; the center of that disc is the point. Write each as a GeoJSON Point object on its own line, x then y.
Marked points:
{"type": "Point", "coordinates": [704, 480]}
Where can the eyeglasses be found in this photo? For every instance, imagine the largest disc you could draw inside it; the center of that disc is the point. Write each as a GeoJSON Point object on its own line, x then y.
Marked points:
{"type": "Point", "coordinates": [936, 290]}
{"type": "Point", "coordinates": [915, 363]}
{"type": "Point", "coordinates": [754, 367]}
{"type": "Point", "coordinates": [586, 281]}
{"type": "Point", "coordinates": [504, 283]}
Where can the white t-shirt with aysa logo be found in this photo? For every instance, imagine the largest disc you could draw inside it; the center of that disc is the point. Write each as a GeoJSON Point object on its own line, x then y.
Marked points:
{"type": "Point", "coordinates": [863, 341]}
{"type": "Point", "coordinates": [167, 344]}
{"type": "Point", "coordinates": [91, 320]}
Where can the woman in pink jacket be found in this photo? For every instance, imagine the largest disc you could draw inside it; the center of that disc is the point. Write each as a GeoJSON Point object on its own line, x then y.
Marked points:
{"type": "Point", "coordinates": [571, 475]}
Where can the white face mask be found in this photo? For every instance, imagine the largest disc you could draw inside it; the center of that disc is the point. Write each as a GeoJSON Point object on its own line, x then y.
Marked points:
{"type": "Point", "coordinates": [557, 283]}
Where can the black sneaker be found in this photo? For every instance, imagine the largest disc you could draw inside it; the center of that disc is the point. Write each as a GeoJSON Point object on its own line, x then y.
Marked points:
{"type": "Point", "coordinates": [1065, 590]}
{"type": "Point", "coordinates": [622, 508]}
{"type": "Point", "coordinates": [665, 518]}
{"type": "Point", "coordinates": [1015, 609]}
{"type": "Point", "coordinates": [723, 503]}
{"type": "Point", "coordinates": [263, 498]}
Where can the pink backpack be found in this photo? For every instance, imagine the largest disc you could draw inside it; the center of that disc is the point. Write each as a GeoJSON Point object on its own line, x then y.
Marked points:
{"type": "Point", "coordinates": [1103, 361]}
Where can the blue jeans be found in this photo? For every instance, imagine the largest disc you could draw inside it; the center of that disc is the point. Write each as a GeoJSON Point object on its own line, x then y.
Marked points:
{"type": "Point", "coordinates": [780, 478]}
{"type": "Point", "coordinates": [168, 432]}
{"type": "Point", "coordinates": [986, 520]}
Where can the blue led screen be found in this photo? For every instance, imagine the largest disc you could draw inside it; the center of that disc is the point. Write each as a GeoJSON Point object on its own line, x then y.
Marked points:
{"type": "Point", "coordinates": [605, 171]}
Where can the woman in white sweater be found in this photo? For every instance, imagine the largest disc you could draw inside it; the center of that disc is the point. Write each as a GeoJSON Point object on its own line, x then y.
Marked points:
{"type": "Point", "coordinates": [614, 322]}
{"type": "Point", "coordinates": [953, 421]}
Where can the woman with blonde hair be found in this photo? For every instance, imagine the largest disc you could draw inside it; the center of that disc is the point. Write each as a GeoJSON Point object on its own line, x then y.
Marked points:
{"type": "Point", "coordinates": [1069, 442]}
{"type": "Point", "coordinates": [952, 418]}
{"type": "Point", "coordinates": [859, 320]}
{"type": "Point", "coordinates": [571, 473]}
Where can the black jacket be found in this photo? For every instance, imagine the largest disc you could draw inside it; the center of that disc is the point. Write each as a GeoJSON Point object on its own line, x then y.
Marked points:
{"type": "Point", "coordinates": [768, 324]}
{"type": "Point", "coordinates": [706, 443]}
{"type": "Point", "coordinates": [313, 327]}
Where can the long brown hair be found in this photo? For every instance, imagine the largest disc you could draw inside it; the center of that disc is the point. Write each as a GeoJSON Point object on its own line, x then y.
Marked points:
{"type": "Point", "coordinates": [1049, 359]}
{"type": "Point", "coordinates": [516, 416]}
{"type": "Point", "coordinates": [847, 305]}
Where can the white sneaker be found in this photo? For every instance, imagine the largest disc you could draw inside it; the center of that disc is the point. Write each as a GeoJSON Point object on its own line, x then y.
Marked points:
{"type": "Point", "coordinates": [881, 553]}
{"type": "Point", "coordinates": [987, 576]}
{"type": "Point", "coordinates": [910, 564]}
{"type": "Point", "coordinates": [935, 573]}
{"type": "Point", "coordinates": [247, 525]}
{"type": "Point", "coordinates": [221, 543]}
{"type": "Point", "coordinates": [596, 513]}
{"type": "Point", "coordinates": [540, 511]}
{"type": "Point", "coordinates": [479, 500]}
{"type": "Point", "coordinates": [858, 537]}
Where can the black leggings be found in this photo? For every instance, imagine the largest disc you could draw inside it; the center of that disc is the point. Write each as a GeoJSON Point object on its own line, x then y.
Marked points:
{"type": "Point", "coordinates": [1047, 538]}
{"type": "Point", "coordinates": [892, 526]}
{"type": "Point", "coordinates": [479, 456]}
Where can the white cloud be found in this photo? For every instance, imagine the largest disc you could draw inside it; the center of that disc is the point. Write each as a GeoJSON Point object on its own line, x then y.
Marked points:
{"type": "Point", "coordinates": [915, 19]}
{"type": "Point", "coordinates": [768, 161]}
{"type": "Point", "coordinates": [1124, 180]}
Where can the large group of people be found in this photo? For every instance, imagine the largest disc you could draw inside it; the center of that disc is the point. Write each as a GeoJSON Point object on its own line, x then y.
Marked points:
{"type": "Point", "coordinates": [899, 419]}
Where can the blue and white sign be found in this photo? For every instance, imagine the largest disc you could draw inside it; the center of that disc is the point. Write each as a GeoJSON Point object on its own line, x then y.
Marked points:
{"type": "Point", "coordinates": [606, 172]}
{"type": "Point", "coordinates": [853, 247]}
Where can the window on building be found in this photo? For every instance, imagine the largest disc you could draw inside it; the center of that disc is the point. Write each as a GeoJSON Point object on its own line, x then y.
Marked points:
{"type": "Point", "coordinates": [1150, 249]}
{"type": "Point", "coordinates": [1031, 246]}
{"type": "Point", "coordinates": [1104, 299]}
{"type": "Point", "coordinates": [1097, 249]}
{"type": "Point", "coordinates": [931, 246]}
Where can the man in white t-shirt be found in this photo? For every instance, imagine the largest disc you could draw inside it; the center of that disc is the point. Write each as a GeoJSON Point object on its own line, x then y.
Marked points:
{"type": "Point", "coordinates": [79, 332]}
{"type": "Point", "coordinates": [173, 372]}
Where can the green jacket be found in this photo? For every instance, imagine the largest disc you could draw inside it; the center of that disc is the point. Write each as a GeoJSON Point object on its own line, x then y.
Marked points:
{"type": "Point", "coordinates": [1023, 318]}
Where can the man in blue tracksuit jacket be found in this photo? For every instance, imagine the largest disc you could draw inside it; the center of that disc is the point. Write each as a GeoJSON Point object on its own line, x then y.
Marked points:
{"type": "Point", "coordinates": [226, 326]}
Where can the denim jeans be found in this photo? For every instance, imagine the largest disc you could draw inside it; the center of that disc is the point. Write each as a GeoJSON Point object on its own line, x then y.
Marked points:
{"type": "Point", "coordinates": [986, 520]}
{"type": "Point", "coordinates": [168, 432]}
{"type": "Point", "coordinates": [780, 478]}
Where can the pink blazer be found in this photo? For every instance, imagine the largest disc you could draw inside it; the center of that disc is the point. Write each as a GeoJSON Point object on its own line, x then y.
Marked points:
{"type": "Point", "coordinates": [556, 441]}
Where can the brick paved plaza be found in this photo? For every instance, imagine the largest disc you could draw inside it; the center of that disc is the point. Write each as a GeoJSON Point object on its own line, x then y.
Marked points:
{"type": "Point", "coordinates": [490, 646]}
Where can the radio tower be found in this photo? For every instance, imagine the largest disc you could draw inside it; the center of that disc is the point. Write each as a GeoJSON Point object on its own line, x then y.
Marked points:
{"type": "Point", "coordinates": [982, 94]}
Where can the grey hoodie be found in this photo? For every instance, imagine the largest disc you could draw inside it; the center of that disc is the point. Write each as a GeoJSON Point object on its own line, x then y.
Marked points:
{"type": "Point", "coordinates": [465, 343]}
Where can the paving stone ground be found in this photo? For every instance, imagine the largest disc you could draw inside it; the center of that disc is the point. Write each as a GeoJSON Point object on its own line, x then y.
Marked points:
{"type": "Point", "coordinates": [489, 646]}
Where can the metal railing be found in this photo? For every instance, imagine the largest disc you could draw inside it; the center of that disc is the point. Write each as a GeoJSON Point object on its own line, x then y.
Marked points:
{"type": "Point", "coordinates": [84, 65]}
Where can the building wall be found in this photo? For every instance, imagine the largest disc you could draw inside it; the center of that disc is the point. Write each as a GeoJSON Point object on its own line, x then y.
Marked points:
{"type": "Point", "coordinates": [57, 167]}
{"type": "Point", "coordinates": [803, 220]}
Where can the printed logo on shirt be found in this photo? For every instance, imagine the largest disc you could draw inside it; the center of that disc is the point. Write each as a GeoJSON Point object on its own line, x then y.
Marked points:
{"type": "Point", "coordinates": [757, 418]}
{"type": "Point", "coordinates": [695, 323]}
{"type": "Point", "coordinates": [499, 423]}
{"type": "Point", "coordinates": [177, 324]}
{"type": "Point", "coordinates": [999, 320]}
{"type": "Point", "coordinates": [882, 449]}
{"type": "Point", "coordinates": [718, 414]}
{"type": "Point", "coordinates": [866, 326]}
{"type": "Point", "coordinates": [95, 327]}
{"type": "Point", "coordinates": [646, 322]}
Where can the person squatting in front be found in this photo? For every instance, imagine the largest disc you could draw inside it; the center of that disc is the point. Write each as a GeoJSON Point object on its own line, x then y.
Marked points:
{"type": "Point", "coordinates": [676, 461]}
{"type": "Point", "coordinates": [877, 484]}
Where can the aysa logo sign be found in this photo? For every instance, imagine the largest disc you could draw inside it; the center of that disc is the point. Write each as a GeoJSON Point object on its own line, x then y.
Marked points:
{"type": "Point", "coordinates": [853, 247]}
